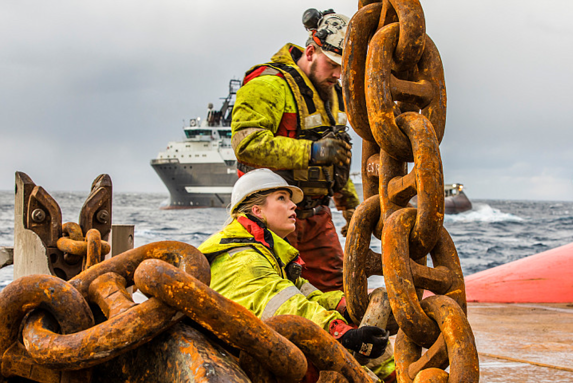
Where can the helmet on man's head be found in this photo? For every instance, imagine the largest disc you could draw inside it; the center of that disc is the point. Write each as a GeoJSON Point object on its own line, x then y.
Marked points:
{"type": "Point", "coordinates": [259, 180]}
{"type": "Point", "coordinates": [327, 29]}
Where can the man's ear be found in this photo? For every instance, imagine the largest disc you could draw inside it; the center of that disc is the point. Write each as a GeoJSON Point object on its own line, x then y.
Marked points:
{"type": "Point", "coordinates": [257, 211]}
{"type": "Point", "coordinates": [309, 52]}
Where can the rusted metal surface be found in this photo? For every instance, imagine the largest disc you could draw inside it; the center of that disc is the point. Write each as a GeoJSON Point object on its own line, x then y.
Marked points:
{"type": "Point", "coordinates": [128, 325]}
{"type": "Point", "coordinates": [226, 319]}
{"type": "Point", "coordinates": [53, 294]}
{"type": "Point", "coordinates": [184, 256]}
{"type": "Point", "coordinates": [114, 336]}
{"type": "Point", "coordinates": [395, 97]}
{"type": "Point", "coordinates": [321, 349]}
{"type": "Point", "coordinates": [358, 257]}
{"type": "Point", "coordinates": [17, 363]}
{"type": "Point", "coordinates": [65, 247]}
{"type": "Point", "coordinates": [94, 248]}
{"type": "Point", "coordinates": [96, 211]}
{"type": "Point", "coordinates": [331, 377]}
{"type": "Point", "coordinates": [180, 354]}
{"type": "Point", "coordinates": [61, 300]}
{"type": "Point", "coordinates": [109, 293]}
{"type": "Point", "coordinates": [255, 370]}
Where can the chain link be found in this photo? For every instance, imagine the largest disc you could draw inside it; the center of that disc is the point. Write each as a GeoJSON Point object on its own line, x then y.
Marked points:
{"type": "Point", "coordinates": [395, 97]}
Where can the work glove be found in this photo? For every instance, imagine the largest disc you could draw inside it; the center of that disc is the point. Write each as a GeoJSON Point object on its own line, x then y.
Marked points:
{"type": "Point", "coordinates": [347, 214]}
{"type": "Point", "coordinates": [330, 151]}
{"type": "Point", "coordinates": [369, 341]}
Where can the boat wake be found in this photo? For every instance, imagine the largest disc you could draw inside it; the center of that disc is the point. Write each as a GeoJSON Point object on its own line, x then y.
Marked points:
{"type": "Point", "coordinates": [482, 213]}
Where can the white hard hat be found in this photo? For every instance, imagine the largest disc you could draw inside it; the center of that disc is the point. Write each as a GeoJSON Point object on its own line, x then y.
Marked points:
{"type": "Point", "coordinates": [260, 180]}
{"type": "Point", "coordinates": [329, 35]}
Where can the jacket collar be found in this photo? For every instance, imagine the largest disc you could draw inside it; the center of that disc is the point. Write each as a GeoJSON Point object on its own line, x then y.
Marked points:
{"type": "Point", "coordinates": [236, 235]}
{"type": "Point", "coordinates": [257, 229]}
{"type": "Point", "coordinates": [288, 54]}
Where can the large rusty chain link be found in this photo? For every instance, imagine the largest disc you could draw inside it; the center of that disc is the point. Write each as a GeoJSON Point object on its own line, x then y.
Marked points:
{"type": "Point", "coordinates": [395, 96]}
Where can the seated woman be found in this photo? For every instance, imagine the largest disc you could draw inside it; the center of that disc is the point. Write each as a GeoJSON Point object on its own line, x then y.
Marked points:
{"type": "Point", "coordinates": [253, 265]}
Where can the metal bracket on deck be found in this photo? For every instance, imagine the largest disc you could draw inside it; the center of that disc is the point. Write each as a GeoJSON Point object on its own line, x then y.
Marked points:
{"type": "Point", "coordinates": [38, 226]}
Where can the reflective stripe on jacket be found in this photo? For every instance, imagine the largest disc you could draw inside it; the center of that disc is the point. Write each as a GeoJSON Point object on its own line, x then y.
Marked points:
{"type": "Point", "coordinates": [253, 275]}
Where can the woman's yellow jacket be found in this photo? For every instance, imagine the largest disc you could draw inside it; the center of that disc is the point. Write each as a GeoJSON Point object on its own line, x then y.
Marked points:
{"type": "Point", "coordinates": [253, 275]}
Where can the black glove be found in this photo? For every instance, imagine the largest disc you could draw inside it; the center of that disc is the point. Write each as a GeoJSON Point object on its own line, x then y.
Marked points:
{"type": "Point", "coordinates": [369, 341]}
{"type": "Point", "coordinates": [329, 151]}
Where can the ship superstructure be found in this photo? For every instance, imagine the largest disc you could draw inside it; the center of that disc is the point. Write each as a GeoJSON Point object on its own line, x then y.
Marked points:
{"type": "Point", "coordinates": [200, 171]}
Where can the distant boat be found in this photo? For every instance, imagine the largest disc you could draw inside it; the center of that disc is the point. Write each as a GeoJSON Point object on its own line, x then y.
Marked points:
{"type": "Point", "coordinates": [201, 170]}
{"type": "Point", "coordinates": [455, 200]}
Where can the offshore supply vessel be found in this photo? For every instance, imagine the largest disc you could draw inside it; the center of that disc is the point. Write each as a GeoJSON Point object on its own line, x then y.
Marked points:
{"type": "Point", "coordinates": [200, 171]}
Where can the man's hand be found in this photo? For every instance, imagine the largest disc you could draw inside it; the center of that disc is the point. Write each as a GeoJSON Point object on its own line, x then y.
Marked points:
{"type": "Point", "coordinates": [329, 151]}
{"type": "Point", "coordinates": [347, 214]}
{"type": "Point", "coordinates": [369, 341]}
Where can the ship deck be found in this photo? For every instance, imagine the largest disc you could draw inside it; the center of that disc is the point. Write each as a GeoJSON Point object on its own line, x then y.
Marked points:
{"type": "Point", "coordinates": [530, 342]}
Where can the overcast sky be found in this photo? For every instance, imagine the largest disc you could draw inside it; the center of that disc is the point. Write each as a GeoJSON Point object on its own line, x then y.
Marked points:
{"type": "Point", "coordinates": [91, 87]}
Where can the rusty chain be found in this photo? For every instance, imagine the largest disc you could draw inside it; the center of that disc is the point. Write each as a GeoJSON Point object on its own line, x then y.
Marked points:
{"type": "Point", "coordinates": [59, 332]}
{"type": "Point", "coordinates": [76, 248]}
{"type": "Point", "coordinates": [395, 96]}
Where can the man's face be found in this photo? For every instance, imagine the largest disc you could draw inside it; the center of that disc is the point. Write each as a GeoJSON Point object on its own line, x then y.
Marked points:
{"type": "Point", "coordinates": [324, 74]}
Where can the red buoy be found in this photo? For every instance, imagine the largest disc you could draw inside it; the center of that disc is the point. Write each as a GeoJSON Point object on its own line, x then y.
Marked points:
{"type": "Point", "coordinates": [541, 278]}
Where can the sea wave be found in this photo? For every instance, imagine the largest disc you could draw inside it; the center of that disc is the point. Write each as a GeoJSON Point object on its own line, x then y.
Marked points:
{"type": "Point", "coordinates": [483, 213]}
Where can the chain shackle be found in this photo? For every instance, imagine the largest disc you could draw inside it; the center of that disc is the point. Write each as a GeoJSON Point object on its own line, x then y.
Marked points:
{"type": "Point", "coordinates": [395, 97]}
{"type": "Point", "coordinates": [76, 248]}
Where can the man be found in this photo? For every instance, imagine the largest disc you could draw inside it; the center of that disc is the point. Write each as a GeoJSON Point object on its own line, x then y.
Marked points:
{"type": "Point", "coordinates": [289, 117]}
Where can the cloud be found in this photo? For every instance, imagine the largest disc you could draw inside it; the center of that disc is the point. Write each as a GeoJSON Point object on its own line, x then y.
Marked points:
{"type": "Point", "coordinates": [101, 87]}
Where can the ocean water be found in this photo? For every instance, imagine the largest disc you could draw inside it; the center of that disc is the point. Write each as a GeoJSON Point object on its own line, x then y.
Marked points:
{"type": "Point", "coordinates": [493, 233]}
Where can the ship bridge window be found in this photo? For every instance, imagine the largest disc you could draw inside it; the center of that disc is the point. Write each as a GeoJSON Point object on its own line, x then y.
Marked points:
{"type": "Point", "coordinates": [193, 133]}
{"type": "Point", "coordinates": [225, 133]}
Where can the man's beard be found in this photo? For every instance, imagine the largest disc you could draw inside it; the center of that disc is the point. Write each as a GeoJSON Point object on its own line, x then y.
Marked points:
{"type": "Point", "coordinates": [324, 89]}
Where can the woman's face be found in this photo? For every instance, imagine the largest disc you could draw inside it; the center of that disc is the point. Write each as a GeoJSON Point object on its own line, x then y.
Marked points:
{"type": "Point", "coordinates": [278, 212]}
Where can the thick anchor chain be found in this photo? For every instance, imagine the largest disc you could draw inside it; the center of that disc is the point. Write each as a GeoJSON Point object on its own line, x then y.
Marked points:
{"type": "Point", "coordinates": [63, 340]}
{"type": "Point", "coordinates": [395, 97]}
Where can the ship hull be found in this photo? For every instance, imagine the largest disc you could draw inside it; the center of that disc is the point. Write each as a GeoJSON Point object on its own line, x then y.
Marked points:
{"type": "Point", "coordinates": [452, 204]}
{"type": "Point", "coordinates": [457, 204]}
{"type": "Point", "coordinates": [196, 185]}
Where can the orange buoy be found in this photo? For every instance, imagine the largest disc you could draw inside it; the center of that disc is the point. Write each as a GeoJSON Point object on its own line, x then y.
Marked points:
{"type": "Point", "coordinates": [541, 278]}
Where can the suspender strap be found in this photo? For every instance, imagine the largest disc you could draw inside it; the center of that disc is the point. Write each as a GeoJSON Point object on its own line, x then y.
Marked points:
{"type": "Point", "coordinates": [304, 89]}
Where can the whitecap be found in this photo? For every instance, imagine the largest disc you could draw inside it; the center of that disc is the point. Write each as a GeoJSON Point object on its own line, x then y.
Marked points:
{"type": "Point", "coordinates": [482, 213]}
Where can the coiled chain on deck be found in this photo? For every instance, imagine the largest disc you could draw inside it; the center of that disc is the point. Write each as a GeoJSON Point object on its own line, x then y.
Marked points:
{"type": "Point", "coordinates": [62, 341]}
{"type": "Point", "coordinates": [396, 101]}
